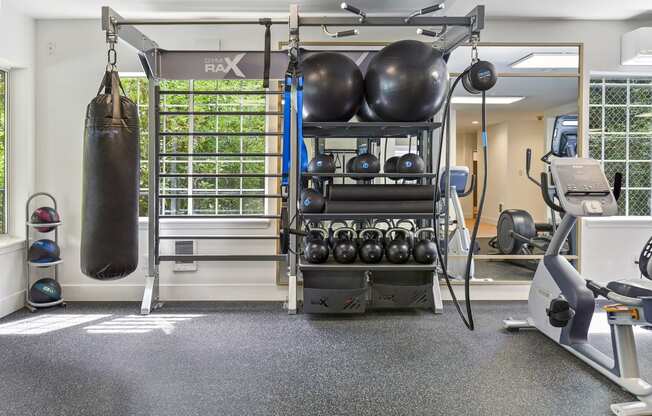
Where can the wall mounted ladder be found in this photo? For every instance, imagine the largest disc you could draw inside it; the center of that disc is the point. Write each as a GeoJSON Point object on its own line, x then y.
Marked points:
{"type": "Point", "coordinates": [158, 157]}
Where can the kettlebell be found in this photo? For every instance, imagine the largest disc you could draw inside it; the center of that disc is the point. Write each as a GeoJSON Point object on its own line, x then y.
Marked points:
{"type": "Point", "coordinates": [315, 246]}
{"type": "Point", "coordinates": [322, 164]}
{"type": "Point", "coordinates": [312, 201]}
{"type": "Point", "coordinates": [398, 246]}
{"type": "Point", "coordinates": [371, 248]}
{"type": "Point", "coordinates": [425, 250]}
{"type": "Point", "coordinates": [391, 166]}
{"type": "Point", "coordinates": [410, 229]}
{"type": "Point", "coordinates": [344, 249]}
{"type": "Point", "coordinates": [411, 163]}
{"type": "Point", "coordinates": [366, 163]}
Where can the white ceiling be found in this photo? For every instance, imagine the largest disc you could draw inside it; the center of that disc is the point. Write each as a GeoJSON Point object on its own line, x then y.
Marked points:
{"type": "Point", "coordinates": [529, 9]}
{"type": "Point", "coordinates": [540, 95]}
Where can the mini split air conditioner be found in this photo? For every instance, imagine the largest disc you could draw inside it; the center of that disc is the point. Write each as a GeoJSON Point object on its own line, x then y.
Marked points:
{"type": "Point", "coordinates": [636, 47]}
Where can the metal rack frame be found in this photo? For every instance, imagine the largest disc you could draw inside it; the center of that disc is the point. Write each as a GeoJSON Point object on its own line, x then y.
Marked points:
{"type": "Point", "coordinates": [160, 64]}
{"type": "Point", "coordinates": [34, 306]}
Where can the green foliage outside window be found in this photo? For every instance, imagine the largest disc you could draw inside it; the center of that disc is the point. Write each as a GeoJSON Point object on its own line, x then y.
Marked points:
{"type": "Point", "coordinates": [620, 135]}
{"type": "Point", "coordinates": [136, 88]}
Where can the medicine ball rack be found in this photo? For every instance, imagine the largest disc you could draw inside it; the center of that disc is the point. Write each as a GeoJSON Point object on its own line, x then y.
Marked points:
{"type": "Point", "coordinates": [34, 306]}
{"type": "Point", "coordinates": [161, 64]}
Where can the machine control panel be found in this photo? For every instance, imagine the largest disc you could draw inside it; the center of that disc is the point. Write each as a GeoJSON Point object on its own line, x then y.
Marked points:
{"type": "Point", "coordinates": [582, 187]}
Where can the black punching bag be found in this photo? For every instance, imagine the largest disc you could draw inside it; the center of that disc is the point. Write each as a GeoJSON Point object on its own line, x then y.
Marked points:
{"type": "Point", "coordinates": [109, 242]}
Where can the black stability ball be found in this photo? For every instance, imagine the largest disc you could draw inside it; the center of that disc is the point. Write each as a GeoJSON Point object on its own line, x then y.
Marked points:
{"type": "Point", "coordinates": [365, 113]}
{"type": "Point", "coordinates": [406, 81]}
{"type": "Point", "coordinates": [333, 87]}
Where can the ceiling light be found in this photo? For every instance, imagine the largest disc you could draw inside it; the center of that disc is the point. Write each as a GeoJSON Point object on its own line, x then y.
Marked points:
{"type": "Point", "coordinates": [489, 100]}
{"type": "Point", "coordinates": [475, 122]}
{"type": "Point", "coordinates": [545, 60]}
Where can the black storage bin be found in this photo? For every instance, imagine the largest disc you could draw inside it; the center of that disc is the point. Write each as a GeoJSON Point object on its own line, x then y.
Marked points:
{"type": "Point", "coordinates": [328, 292]}
{"type": "Point", "coordinates": [410, 290]}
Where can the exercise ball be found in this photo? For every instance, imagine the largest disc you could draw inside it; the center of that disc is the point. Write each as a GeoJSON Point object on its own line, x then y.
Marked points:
{"type": "Point", "coordinates": [406, 81]}
{"type": "Point", "coordinates": [365, 113]}
{"type": "Point", "coordinates": [333, 87]}
{"type": "Point", "coordinates": [45, 291]}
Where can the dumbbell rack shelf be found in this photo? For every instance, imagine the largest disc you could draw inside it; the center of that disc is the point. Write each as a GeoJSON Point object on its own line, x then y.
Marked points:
{"type": "Point", "coordinates": [34, 306]}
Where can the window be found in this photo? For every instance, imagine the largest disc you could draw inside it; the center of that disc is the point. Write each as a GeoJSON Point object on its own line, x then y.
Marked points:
{"type": "Point", "coordinates": [3, 151]}
{"type": "Point", "coordinates": [137, 89]}
{"type": "Point", "coordinates": [620, 135]}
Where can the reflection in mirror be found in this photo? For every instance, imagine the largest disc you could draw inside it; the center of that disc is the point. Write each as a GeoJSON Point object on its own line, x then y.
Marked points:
{"type": "Point", "coordinates": [533, 106]}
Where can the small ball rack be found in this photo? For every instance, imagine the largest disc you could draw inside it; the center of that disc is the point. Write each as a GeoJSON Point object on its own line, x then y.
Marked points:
{"type": "Point", "coordinates": [30, 231]}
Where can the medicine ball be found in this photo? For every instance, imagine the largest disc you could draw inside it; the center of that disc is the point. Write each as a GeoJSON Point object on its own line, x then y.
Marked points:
{"type": "Point", "coordinates": [366, 163]}
{"type": "Point", "coordinates": [45, 291]}
{"type": "Point", "coordinates": [349, 164]}
{"type": "Point", "coordinates": [390, 166]}
{"type": "Point", "coordinates": [44, 215]}
{"type": "Point", "coordinates": [322, 164]}
{"type": "Point", "coordinates": [480, 77]}
{"type": "Point", "coordinates": [333, 87]}
{"type": "Point", "coordinates": [44, 251]}
{"type": "Point", "coordinates": [406, 81]}
{"type": "Point", "coordinates": [312, 201]}
{"type": "Point", "coordinates": [410, 163]}
{"type": "Point", "coordinates": [365, 113]}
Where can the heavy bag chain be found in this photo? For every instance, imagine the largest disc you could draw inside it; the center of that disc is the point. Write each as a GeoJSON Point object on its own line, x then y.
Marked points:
{"type": "Point", "coordinates": [111, 54]}
{"type": "Point", "coordinates": [474, 49]}
{"type": "Point", "coordinates": [111, 58]}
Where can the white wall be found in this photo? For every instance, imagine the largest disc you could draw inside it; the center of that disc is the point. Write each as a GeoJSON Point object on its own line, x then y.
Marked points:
{"type": "Point", "coordinates": [17, 55]}
{"type": "Point", "coordinates": [71, 57]}
{"type": "Point", "coordinates": [610, 246]}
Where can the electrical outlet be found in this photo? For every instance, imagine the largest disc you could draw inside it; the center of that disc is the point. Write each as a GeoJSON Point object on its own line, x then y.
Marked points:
{"type": "Point", "coordinates": [52, 47]}
{"type": "Point", "coordinates": [500, 207]}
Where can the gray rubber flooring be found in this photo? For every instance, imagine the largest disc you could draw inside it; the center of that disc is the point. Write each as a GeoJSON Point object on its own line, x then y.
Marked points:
{"type": "Point", "coordinates": [253, 359]}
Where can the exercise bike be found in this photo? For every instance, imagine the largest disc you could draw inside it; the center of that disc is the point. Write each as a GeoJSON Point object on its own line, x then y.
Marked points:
{"type": "Point", "coordinates": [562, 303]}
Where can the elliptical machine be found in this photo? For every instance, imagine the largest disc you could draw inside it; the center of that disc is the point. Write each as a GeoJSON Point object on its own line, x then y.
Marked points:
{"type": "Point", "coordinates": [562, 303]}
{"type": "Point", "coordinates": [459, 238]}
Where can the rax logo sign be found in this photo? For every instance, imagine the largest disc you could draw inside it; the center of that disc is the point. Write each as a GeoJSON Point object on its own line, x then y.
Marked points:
{"type": "Point", "coordinates": [224, 64]}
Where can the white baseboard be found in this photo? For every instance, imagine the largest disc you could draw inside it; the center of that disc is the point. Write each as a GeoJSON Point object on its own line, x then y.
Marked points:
{"type": "Point", "coordinates": [175, 292]}
{"type": "Point", "coordinates": [257, 292]}
{"type": "Point", "coordinates": [496, 291]}
{"type": "Point", "coordinates": [12, 303]}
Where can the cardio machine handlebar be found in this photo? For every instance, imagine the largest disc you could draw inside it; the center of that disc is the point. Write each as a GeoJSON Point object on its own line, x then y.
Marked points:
{"type": "Point", "coordinates": [528, 166]}
{"type": "Point", "coordinates": [471, 188]}
{"type": "Point", "coordinates": [545, 192]}
{"type": "Point", "coordinates": [599, 290]}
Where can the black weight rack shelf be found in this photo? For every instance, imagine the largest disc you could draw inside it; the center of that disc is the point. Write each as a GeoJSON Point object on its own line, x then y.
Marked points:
{"type": "Point", "coordinates": [370, 176]}
{"type": "Point", "coordinates": [331, 265]}
{"type": "Point", "coordinates": [366, 129]}
{"type": "Point", "coordinates": [364, 215]}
